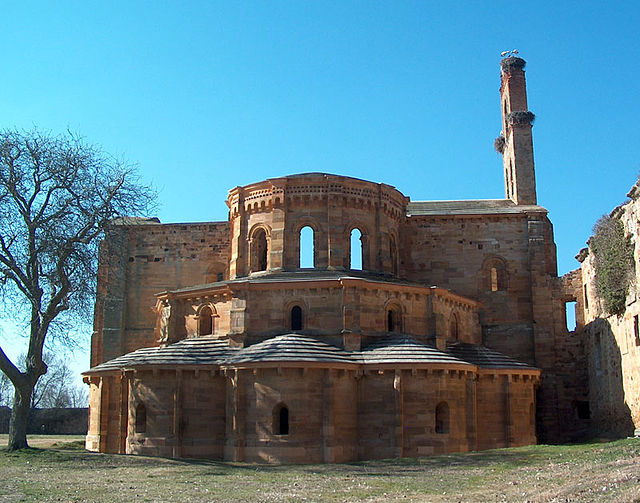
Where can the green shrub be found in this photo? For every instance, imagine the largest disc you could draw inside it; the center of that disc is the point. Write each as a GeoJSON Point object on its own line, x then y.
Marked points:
{"type": "Point", "coordinates": [614, 263]}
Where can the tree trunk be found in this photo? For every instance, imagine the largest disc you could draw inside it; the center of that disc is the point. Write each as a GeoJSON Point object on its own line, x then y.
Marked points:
{"type": "Point", "coordinates": [19, 419]}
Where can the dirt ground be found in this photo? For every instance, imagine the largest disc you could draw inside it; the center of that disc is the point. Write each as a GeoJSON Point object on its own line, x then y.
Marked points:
{"type": "Point", "coordinates": [60, 470]}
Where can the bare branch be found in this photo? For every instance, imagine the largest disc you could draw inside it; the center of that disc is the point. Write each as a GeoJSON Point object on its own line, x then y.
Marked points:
{"type": "Point", "coordinates": [10, 370]}
{"type": "Point", "coordinates": [57, 196]}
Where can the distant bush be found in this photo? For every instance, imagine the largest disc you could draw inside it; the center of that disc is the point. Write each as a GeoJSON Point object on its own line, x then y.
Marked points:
{"type": "Point", "coordinates": [614, 263]}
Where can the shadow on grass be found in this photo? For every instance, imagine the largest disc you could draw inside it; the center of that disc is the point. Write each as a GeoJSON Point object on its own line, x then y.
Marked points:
{"type": "Point", "coordinates": [497, 460]}
{"type": "Point", "coordinates": [388, 467]}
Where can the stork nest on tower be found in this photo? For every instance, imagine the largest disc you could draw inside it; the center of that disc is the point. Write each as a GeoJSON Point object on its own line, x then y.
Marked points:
{"type": "Point", "coordinates": [512, 63]}
{"type": "Point", "coordinates": [500, 144]}
{"type": "Point", "coordinates": [521, 118]}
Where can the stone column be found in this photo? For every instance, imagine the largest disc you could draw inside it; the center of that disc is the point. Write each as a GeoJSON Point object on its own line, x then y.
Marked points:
{"type": "Point", "coordinates": [235, 430]}
{"type": "Point", "coordinates": [472, 410]}
{"type": "Point", "coordinates": [103, 421]}
{"type": "Point", "coordinates": [124, 413]}
{"type": "Point", "coordinates": [399, 396]}
{"type": "Point", "coordinates": [177, 416]}
{"type": "Point", "coordinates": [509, 426]}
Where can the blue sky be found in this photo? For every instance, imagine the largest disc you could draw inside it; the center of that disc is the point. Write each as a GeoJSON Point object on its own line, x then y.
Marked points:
{"type": "Point", "coordinates": [204, 96]}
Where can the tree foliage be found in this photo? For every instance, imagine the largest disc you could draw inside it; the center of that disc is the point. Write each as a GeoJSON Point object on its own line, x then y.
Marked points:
{"type": "Point", "coordinates": [614, 263]}
{"type": "Point", "coordinates": [57, 195]}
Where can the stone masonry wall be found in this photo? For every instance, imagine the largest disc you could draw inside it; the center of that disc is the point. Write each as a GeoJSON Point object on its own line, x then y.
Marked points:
{"type": "Point", "coordinates": [613, 342]}
{"type": "Point", "coordinates": [332, 206]}
{"type": "Point", "coordinates": [334, 415]}
{"type": "Point", "coordinates": [452, 252]}
{"type": "Point", "coordinates": [151, 258]}
{"type": "Point", "coordinates": [328, 307]}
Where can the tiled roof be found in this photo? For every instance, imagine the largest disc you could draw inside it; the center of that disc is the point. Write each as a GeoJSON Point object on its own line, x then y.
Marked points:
{"type": "Point", "coordinates": [200, 351]}
{"type": "Point", "coordinates": [304, 275]}
{"type": "Point", "coordinates": [470, 207]}
{"type": "Point", "coordinates": [483, 357]}
{"type": "Point", "coordinates": [291, 348]}
{"type": "Point", "coordinates": [394, 349]}
{"type": "Point", "coordinates": [400, 349]}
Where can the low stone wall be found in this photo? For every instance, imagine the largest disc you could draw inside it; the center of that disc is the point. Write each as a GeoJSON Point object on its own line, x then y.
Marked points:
{"type": "Point", "coordinates": [51, 421]}
{"type": "Point", "coordinates": [5, 414]}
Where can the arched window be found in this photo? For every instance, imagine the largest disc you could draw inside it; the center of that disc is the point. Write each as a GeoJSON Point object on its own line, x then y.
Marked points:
{"type": "Point", "coordinates": [494, 279]}
{"type": "Point", "coordinates": [453, 327]}
{"type": "Point", "coordinates": [394, 319]}
{"type": "Point", "coordinates": [296, 318]}
{"type": "Point", "coordinates": [281, 419]}
{"type": "Point", "coordinates": [442, 418]}
{"type": "Point", "coordinates": [205, 321]}
{"type": "Point", "coordinates": [307, 247]}
{"type": "Point", "coordinates": [141, 418]}
{"type": "Point", "coordinates": [357, 250]}
{"type": "Point", "coordinates": [259, 251]}
{"type": "Point", "coordinates": [393, 255]}
{"type": "Point", "coordinates": [495, 275]}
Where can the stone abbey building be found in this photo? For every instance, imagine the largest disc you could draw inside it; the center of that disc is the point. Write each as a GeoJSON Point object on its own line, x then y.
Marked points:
{"type": "Point", "coordinates": [212, 341]}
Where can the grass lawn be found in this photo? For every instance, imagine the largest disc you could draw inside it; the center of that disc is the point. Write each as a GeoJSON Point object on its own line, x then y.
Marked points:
{"type": "Point", "coordinates": [58, 469]}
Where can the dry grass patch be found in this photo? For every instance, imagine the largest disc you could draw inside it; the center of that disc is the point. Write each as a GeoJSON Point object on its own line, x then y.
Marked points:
{"type": "Point", "coordinates": [585, 472]}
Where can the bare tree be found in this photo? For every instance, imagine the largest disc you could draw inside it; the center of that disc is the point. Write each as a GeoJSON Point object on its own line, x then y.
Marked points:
{"type": "Point", "coordinates": [6, 391]}
{"type": "Point", "coordinates": [52, 389]}
{"type": "Point", "coordinates": [56, 388]}
{"type": "Point", "coordinates": [57, 195]}
{"type": "Point", "coordinates": [78, 396]}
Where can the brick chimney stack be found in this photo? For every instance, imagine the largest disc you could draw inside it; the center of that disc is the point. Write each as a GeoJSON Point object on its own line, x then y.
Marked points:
{"type": "Point", "coordinates": [517, 120]}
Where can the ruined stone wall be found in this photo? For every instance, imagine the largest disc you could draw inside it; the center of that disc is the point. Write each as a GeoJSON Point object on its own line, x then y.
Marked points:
{"type": "Point", "coordinates": [142, 260]}
{"type": "Point", "coordinates": [613, 342]}
{"type": "Point", "coordinates": [571, 378]}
